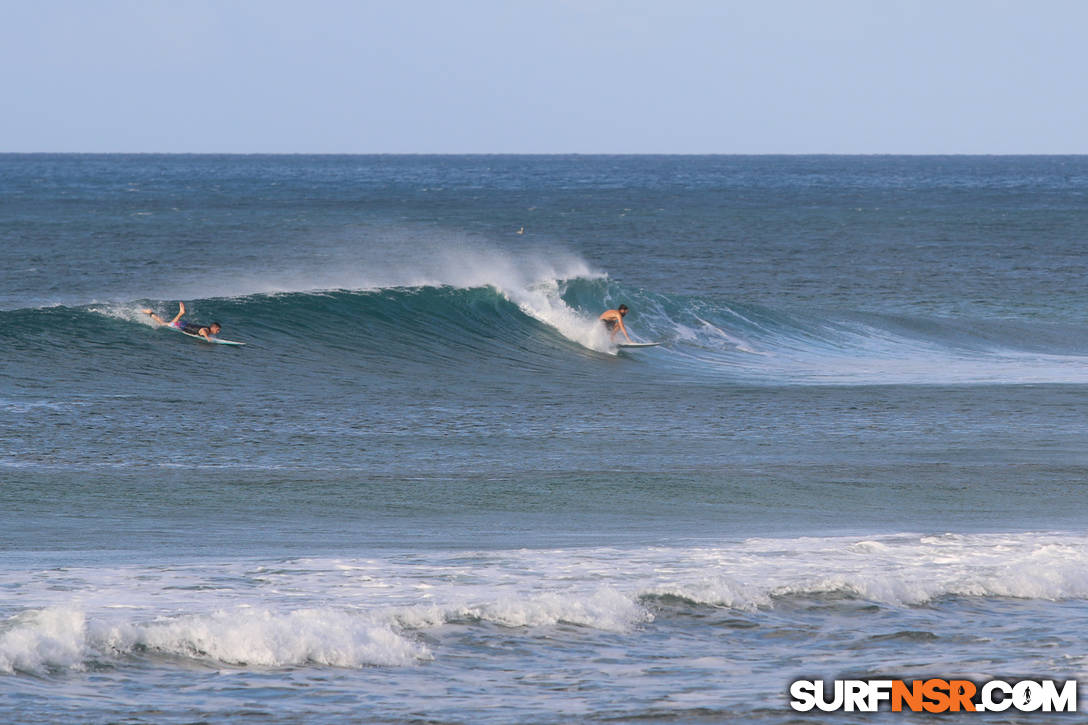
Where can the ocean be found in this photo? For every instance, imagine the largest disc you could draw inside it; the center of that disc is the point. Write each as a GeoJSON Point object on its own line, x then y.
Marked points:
{"type": "Point", "coordinates": [431, 489]}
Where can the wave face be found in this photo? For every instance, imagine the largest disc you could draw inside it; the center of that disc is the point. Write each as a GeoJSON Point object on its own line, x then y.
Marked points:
{"type": "Point", "coordinates": [548, 325]}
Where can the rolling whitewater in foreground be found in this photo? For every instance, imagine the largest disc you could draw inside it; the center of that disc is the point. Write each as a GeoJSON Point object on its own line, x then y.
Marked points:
{"type": "Point", "coordinates": [430, 488]}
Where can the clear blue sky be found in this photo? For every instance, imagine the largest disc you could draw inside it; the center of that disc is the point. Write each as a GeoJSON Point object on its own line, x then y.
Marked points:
{"type": "Point", "coordinates": [544, 76]}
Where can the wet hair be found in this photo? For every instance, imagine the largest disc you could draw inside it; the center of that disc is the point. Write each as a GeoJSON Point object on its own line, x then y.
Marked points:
{"type": "Point", "coordinates": [215, 324]}
{"type": "Point", "coordinates": [621, 308]}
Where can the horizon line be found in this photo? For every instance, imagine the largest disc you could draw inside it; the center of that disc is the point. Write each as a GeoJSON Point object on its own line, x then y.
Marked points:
{"type": "Point", "coordinates": [534, 153]}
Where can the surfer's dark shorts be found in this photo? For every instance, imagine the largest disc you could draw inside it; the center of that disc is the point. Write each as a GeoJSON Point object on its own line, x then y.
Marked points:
{"type": "Point", "coordinates": [609, 325]}
{"type": "Point", "coordinates": [190, 327]}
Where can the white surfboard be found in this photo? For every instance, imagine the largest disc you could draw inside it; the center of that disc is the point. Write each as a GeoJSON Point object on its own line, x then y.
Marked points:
{"type": "Point", "coordinates": [637, 344]}
{"type": "Point", "coordinates": [214, 340]}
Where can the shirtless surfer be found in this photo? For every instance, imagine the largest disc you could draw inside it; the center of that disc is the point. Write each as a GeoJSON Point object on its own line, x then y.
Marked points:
{"type": "Point", "coordinates": [613, 322]}
{"type": "Point", "coordinates": [205, 331]}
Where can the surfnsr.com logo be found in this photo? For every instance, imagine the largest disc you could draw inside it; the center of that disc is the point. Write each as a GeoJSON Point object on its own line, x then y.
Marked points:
{"type": "Point", "coordinates": [934, 695]}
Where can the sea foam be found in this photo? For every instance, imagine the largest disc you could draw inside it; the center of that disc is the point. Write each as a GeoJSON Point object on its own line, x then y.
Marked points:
{"type": "Point", "coordinates": [373, 612]}
{"type": "Point", "coordinates": [55, 638]}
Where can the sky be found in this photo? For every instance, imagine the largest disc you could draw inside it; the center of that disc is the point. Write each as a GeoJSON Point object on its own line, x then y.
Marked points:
{"type": "Point", "coordinates": [544, 76]}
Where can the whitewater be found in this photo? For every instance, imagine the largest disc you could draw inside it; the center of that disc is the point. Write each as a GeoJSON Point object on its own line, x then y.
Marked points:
{"type": "Point", "coordinates": [431, 488]}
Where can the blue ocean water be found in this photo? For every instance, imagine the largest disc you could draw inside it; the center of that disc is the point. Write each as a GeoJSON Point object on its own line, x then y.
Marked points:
{"type": "Point", "coordinates": [431, 489]}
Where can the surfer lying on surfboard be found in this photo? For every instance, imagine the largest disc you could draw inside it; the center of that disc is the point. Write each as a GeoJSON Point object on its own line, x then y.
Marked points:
{"type": "Point", "coordinates": [205, 331]}
{"type": "Point", "coordinates": [613, 321]}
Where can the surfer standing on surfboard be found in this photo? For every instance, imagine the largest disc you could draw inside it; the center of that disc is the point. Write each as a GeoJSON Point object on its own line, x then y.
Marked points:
{"type": "Point", "coordinates": [613, 322]}
{"type": "Point", "coordinates": [205, 331]}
